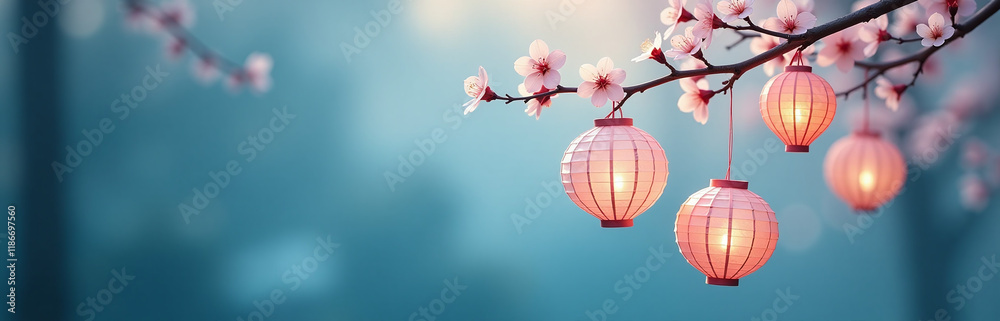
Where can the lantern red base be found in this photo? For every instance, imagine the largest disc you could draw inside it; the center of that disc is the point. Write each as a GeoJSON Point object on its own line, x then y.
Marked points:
{"type": "Point", "coordinates": [864, 210]}
{"type": "Point", "coordinates": [722, 282]}
{"type": "Point", "coordinates": [797, 148]}
{"type": "Point", "coordinates": [616, 223]}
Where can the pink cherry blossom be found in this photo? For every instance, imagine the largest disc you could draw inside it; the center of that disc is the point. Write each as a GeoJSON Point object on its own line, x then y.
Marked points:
{"type": "Point", "coordinates": [975, 153]}
{"type": "Point", "coordinates": [694, 64]}
{"type": "Point", "coordinates": [906, 20]}
{"type": "Point", "coordinates": [175, 47]}
{"type": "Point", "coordinates": [602, 82]}
{"type": "Point", "coordinates": [889, 91]}
{"type": "Point", "coordinates": [804, 5]}
{"type": "Point", "coordinates": [790, 19]}
{"type": "Point", "coordinates": [175, 12]}
{"type": "Point", "coordinates": [535, 105]}
{"type": "Point", "coordinates": [479, 89]}
{"type": "Point", "coordinates": [258, 71]}
{"type": "Point", "coordinates": [975, 193]}
{"type": "Point", "coordinates": [842, 48]}
{"type": "Point", "coordinates": [206, 69]}
{"type": "Point", "coordinates": [707, 22]}
{"type": "Point", "coordinates": [874, 33]}
{"type": "Point", "coordinates": [963, 8]}
{"type": "Point", "coordinates": [764, 43]}
{"type": "Point", "coordinates": [931, 137]}
{"type": "Point", "coordinates": [684, 46]}
{"type": "Point", "coordinates": [541, 68]}
{"type": "Point", "coordinates": [675, 14]}
{"type": "Point", "coordinates": [936, 31]}
{"type": "Point", "coordinates": [735, 9]}
{"type": "Point", "coordinates": [652, 50]}
{"type": "Point", "coordinates": [695, 98]}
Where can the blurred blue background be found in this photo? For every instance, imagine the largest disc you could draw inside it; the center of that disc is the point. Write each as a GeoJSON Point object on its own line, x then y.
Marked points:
{"type": "Point", "coordinates": [401, 247]}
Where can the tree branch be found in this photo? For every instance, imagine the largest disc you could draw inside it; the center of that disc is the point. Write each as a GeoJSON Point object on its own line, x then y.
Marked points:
{"type": "Point", "coordinates": [794, 41]}
{"type": "Point", "coordinates": [921, 56]}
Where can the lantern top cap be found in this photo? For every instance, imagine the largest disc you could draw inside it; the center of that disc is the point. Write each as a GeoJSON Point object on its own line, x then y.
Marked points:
{"type": "Point", "coordinates": [729, 183]}
{"type": "Point", "coordinates": [795, 68]}
{"type": "Point", "coordinates": [868, 133]}
{"type": "Point", "coordinates": [613, 122]}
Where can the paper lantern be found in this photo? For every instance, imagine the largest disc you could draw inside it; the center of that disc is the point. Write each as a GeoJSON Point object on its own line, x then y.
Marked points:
{"type": "Point", "coordinates": [864, 170]}
{"type": "Point", "coordinates": [726, 231]}
{"type": "Point", "coordinates": [614, 171]}
{"type": "Point", "coordinates": [798, 106]}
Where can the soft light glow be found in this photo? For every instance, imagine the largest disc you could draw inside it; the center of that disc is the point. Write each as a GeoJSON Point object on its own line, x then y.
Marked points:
{"type": "Point", "coordinates": [864, 170]}
{"type": "Point", "coordinates": [801, 115]}
{"type": "Point", "coordinates": [614, 171]}
{"type": "Point", "coordinates": [867, 181]}
{"type": "Point", "coordinates": [798, 106]}
{"type": "Point", "coordinates": [726, 231]}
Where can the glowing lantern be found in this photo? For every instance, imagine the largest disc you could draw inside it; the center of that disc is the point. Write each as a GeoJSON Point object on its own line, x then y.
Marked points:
{"type": "Point", "coordinates": [798, 106]}
{"type": "Point", "coordinates": [864, 170]}
{"type": "Point", "coordinates": [614, 171]}
{"type": "Point", "coordinates": [726, 231]}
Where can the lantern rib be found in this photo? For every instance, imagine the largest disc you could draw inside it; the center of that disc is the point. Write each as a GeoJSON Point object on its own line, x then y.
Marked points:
{"type": "Point", "coordinates": [772, 219]}
{"type": "Point", "coordinates": [781, 116]}
{"type": "Point", "coordinates": [611, 172]}
{"type": "Point", "coordinates": [588, 209]}
{"type": "Point", "coordinates": [708, 225]}
{"type": "Point", "coordinates": [753, 240]}
{"type": "Point", "coordinates": [590, 179]}
{"type": "Point", "coordinates": [635, 175]}
{"type": "Point", "coordinates": [812, 104]}
{"type": "Point", "coordinates": [729, 234]}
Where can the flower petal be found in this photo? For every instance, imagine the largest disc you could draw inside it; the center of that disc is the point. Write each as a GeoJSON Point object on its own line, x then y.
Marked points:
{"type": "Point", "coordinates": [605, 65]}
{"type": "Point", "coordinates": [701, 114]}
{"type": "Point", "coordinates": [534, 82]}
{"type": "Point", "coordinates": [538, 50]}
{"type": "Point", "coordinates": [599, 98]}
{"type": "Point", "coordinates": [615, 92]}
{"type": "Point", "coordinates": [688, 102]}
{"type": "Point", "coordinates": [589, 73]}
{"type": "Point", "coordinates": [616, 76]}
{"type": "Point", "coordinates": [586, 89]}
{"type": "Point", "coordinates": [556, 59]}
{"type": "Point", "coordinates": [524, 66]}
{"type": "Point", "coordinates": [551, 79]}
{"type": "Point", "coordinates": [787, 10]}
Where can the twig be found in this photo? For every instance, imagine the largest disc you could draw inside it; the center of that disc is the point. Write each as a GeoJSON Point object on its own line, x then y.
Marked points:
{"type": "Point", "coordinates": [921, 56]}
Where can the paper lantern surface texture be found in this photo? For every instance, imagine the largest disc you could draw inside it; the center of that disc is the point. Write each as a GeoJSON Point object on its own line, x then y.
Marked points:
{"type": "Point", "coordinates": [726, 231]}
{"type": "Point", "coordinates": [614, 171]}
{"type": "Point", "coordinates": [864, 170]}
{"type": "Point", "coordinates": [798, 106]}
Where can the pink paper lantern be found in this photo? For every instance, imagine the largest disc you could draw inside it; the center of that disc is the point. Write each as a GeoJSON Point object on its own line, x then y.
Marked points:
{"type": "Point", "coordinates": [614, 171]}
{"type": "Point", "coordinates": [726, 231]}
{"type": "Point", "coordinates": [864, 170]}
{"type": "Point", "coordinates": [798, 106]}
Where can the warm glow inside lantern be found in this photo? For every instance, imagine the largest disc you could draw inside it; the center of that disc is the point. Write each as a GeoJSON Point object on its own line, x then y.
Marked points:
{"type": "Point", "coordinates": [864, 170]}
{"type": "Point", "coordinates": [726, 231]}
{"type": "Point", "coordinates": [614, 171]}
{"type": "Point", "coordinates": [798, 106]}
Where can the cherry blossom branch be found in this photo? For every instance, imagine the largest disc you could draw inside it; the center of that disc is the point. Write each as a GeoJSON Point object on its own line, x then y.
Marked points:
{"type": "Point", "coordinates": [921, 57]}
{"type": "Point", "coordinates": [174, 28]}
{"type": "Point", "coordinates": [797, 41]}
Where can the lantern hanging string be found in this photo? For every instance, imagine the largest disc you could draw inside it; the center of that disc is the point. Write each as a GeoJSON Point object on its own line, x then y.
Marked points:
{"type": "Point", "coordinates": [866, 114]}
{"type": "Point", "coordinates": [729, 166]}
